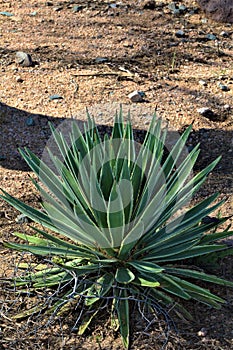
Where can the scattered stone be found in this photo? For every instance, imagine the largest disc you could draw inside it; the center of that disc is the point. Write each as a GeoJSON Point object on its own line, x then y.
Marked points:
{"type": "Point", "coordinates": [194, 11]}
{"type": "Point", "coordinates": [224, 34]}
{"type": "Point", "coordinates": [22, 219]}
{"type": "Point", "coordinates": [19, 79]}
{"type": "Point", "coordinates": [173, 8]}
{"type": "Point", "coordinates": [182, 8]}
{"type": "Point", "coordinates": [223, 87]}
{"type": "Point", "coordinates": [113, 6]}
{"type": "Point", "coordinates": [211, 37]}
{"type": "Point", "coordinates": [23, 59]}
{"type": "Point", "coordinates": [204, 20]}
{"type": "Point", "coordinates": [6, 13]}
{"type": "Point", "coordinates": [177, 10]}
{"type": "Point", "coordinates": [30, 121]}
{"type": "Point", "coordinates": [227, 107]}
{"type": "Point", "coordinates": [136, 96]}
{"type": "Point", "coordinates": [77, 8]}
{"type": "Point", "coordinates": [100, 59]}
{"type": "Point", "coordinates": [34, 13]}
{"type": "Point", "coordinates": [57, 9]}
{"type": "Point", "coordinates": [203, 82]}
{"type": "Point", "coordinates": [173, 44]}
{"type": "Point", "coordinates": [127, 44]}
{"type": "Point", "coordinates": [218, 10]}
{"type": "Point", "coordinates": [180, 34]}
{"type": "Point", "coordinates": [206, 112]}
{"type": "Point", "coordinates": [202, 332]}
{"type": "Point", "coordinates": [55, 97]}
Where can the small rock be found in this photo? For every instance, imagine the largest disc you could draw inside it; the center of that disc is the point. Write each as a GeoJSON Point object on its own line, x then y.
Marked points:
{"type": "Point", "coordinates": [136, 96]}
{"type": "Point", "coordinates": [204, 20]}
{"type": "Point", "coordinates": [77, 8]}
{"type": "Point", "coordinates": [173, 8]}
{"type": "Point", "coordinates": [22, 219]}
{"type": "Point", "coordinates": [227, 107]}
{"type": "Point", "coordinates": [19, 79]}
{"type": "Point", "coordinates": [55, 97]}
{"type": "Point", "coordinates": [30, 121]}
{"type": "Point", "coordinates": [224, 34]}
{"type": "Point", "coordinates": [2, 158]}
{"type": "Point", "coordinates": [24, 59]}
{"type": "Point", "coordinates": [206, 112]}
{"type": "Point", "coordinates": [194, 10]}
{"type": "Point", "coordinates": [202, 82]}
{"type": "Point", "coordinates": [34, 13]}
{"type": "Point", "coordinates": [173, 44]}
{"type": "Point", "coordinates": [100, 59]}
{"type": "Point", "coordinates": [211, 37]}
{"type": "Point", "coordinates": [223, 87]}
{"type": "Point", "coordinates": [6, 13]}
{"type": "Point", "coordinates": [113, 6]}
{"type": "Point", "coordinates": [127, 44]}
{"type": "Point", "coordinates": [182, 8]}
{"type": "Point", "coordinates": [57, 9]}
{"type": "Point", "coordinates": [202, 332]}
{"type": "Point", "coordinates": [180, 34]}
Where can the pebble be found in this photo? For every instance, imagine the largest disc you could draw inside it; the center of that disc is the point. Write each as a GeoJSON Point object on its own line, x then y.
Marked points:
{"type": "Point", "coordinates": [174, 9]}
{"type": "Point", "coordinates": [202, 332]}
{"type": "Point", "coordinates": [77, 8]}
{"type": "Point", "coordinates": [206, 112]}
{"type": "Point", "coordinates": [24, 59]}
{"type": "Point", "coordinates": [22, 219]}
{"type": "Point", "coordinates": [100, 59]}
{"type": "Point", "coordinates": [6, 13]}
{"type": "Point", "coordinates": [211, 37]}
{"type": "Point", "coordinates": [57, 9]}
{"type": "Point", "coordinates": [193, 11]}
{"type": "Point", "coordinates": [202, 82]}
{"type": "Point", "coordinates": [224, 34]}
{"type": "Point", "coordinates": [136, 96]}
{"type": "Point", "coordinates": [113, 6]}
{"type": "Point", "coordinates": [223, 87]}
{"type": "Point", "coordinates": [182, 8]}
{"type": "Point", "coordinates": [55, 97]}
{"type": "Point", "coordinates": [180, 34]}
{"type": "Point", "coordinates": [19, 79]}
{"type": "Point", "coordinates": [34, 13]}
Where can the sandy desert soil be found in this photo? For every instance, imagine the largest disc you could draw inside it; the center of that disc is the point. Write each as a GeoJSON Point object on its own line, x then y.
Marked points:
{"type": "Point", "coordinates": [93, 56]}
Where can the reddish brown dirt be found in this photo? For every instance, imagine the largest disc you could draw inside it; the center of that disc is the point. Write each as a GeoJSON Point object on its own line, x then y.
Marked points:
{"type": "Point", "coordinates": [142, 53]}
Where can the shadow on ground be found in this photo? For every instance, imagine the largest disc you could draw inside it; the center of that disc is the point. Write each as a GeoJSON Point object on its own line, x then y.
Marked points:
{"type": "Point", "coordinates": [21, 129]}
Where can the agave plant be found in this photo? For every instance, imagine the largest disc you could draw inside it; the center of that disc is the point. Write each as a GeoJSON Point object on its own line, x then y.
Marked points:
{"type": "Point", "coordinates": [115, 232]}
